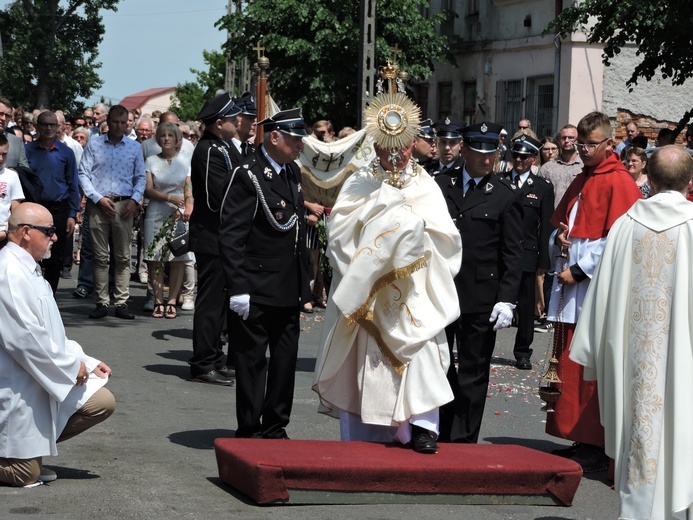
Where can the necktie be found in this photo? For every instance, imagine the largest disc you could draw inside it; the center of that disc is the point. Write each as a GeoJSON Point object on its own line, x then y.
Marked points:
{"type": "Point", "coordinates": [285, 178]}
{"type": "Point", "coordinates": [244, 148]}
{"type": "Point", "coordinates": [518, 181]}
{"type": "Point", "coordinates": [38, 272]}
{"type": "Point", "coordinates": [470, 187]}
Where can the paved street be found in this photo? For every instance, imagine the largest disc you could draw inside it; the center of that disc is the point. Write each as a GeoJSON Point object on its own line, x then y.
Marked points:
{"type": "Point", "coordinates": [154, 458]}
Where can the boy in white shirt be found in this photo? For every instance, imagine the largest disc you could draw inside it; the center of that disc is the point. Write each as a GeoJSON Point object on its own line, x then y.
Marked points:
{"type": "Point", "coordinates": [11, 193]}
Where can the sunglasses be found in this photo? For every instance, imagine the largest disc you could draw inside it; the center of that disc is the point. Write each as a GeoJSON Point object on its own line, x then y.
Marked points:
{"type": "Point", "coordinates": [49, 231]}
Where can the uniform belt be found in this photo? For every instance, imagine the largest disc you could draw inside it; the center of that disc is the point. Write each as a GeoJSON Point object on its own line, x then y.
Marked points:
{"type": "Point", "coordinates": [118, 198]}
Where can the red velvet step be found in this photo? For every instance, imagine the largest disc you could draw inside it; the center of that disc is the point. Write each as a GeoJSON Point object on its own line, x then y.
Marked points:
{"type": "Point", "coordinates": [334, 472]}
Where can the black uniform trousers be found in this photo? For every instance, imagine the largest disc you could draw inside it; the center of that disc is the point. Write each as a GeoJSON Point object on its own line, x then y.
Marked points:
{"type": "Point", "coordinates": [461, 419]}
{"type": "Point", "coordinates": [265, 388]}
{"type": "Point", "coordinates": [525, 315]}
{"type": "Point", "coordinates": [53, 266]}
{"type": "Point", "coordinates": [211, 311]}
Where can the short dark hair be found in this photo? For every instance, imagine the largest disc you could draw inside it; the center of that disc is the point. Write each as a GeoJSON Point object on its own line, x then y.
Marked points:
{"type": "Point", "coordinates": [117, 110]}
{"type": "Point", "coordinates": [3, 138]}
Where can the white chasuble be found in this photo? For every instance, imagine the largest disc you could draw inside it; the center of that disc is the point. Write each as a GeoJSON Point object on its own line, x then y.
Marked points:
{"type": "Point", "coordinates": [394, 253]}
{"type": "Point", "coordinates": [635, 337]}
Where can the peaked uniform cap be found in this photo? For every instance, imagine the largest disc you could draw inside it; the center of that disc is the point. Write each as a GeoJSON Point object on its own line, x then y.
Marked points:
{"type": "Point", "coordinates": [482, 137]}
{"type": "Point", "coordinates": [448, 129]}
{"type": "Point", "coordinates": [526, 145]}
{"type": "Point", "coordinates": [289, 122]}
{"type": "Point", "coordinates": [247, 104]}
{"type": "Point", "coordinates": [426, 129]}
{"type": "Point", "coordinates": [218, 107]}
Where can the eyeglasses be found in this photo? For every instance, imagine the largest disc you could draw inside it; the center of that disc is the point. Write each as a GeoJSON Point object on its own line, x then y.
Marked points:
{"type": "Point", "coordinates": [49, 231]}
{"type": "Point", "coordinates": [6, 115]}
{"type": "Point", "coordinates": [520, 156]}
{"type": "Point", "coordinates": [590, 147]}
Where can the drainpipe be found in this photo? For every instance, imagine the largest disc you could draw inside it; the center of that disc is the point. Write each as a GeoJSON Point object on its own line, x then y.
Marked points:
{"type": "Point", "coordinates": [556, 68]}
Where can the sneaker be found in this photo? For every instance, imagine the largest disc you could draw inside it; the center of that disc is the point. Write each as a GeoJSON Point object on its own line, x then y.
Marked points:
{"type": "Point", "coordinates": [143, 278]}
{"type": "Point", "coordinates": [148, 305]}
{"type": "Point", "coordinates": [123, 313]}
{"type": "Point", "coordinates": [544, 327]}
{"type": "Point", "coordinates": [101, 311]}
{"type": "Point", "coordinates": [188, 304]}
{"type": "Point", "coordinates": [47, 475]}
{"type": "Point", "coordinates": [81, 292]}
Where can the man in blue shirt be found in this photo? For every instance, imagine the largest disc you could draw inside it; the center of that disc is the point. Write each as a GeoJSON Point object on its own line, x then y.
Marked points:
{"type": "Point", "coordinates": [55, 164]}
{"type": "Point", "coordinates": [112, 176]}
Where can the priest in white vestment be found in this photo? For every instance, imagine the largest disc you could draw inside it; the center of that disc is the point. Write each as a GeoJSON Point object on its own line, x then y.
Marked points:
{"type": "Point", "coordinates": [50, 390]}
{"type": "Point", "coordinates": [635, 338]}
{"type": "Point", "coordinates": [395, 252]}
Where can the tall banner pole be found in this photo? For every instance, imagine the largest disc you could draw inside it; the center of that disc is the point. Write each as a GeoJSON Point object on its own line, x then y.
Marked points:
{"type": "Point", "coordinates": [261, 92]}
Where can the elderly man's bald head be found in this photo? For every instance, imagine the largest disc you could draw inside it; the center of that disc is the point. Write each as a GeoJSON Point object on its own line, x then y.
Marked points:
{"type": "Point", "coordinates": [30, 227]}
{"type": "Point", "coordinates": [670, 168]}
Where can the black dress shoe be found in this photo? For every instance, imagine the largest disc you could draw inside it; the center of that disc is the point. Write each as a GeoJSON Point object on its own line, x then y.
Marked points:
{"type": "Point", "coordinates": [422, 440]}
{"type": "Point", "coordinates": [123, 312]}
{"type": "Point", "coordinates": [101, 311]}
{"type": "Point", "coordinates": [523, 363]}
{"type": "Point", "coordinates": [213, 378]}
{"type": "Point", "coordinates": [228, 373]}
{"type": "Point", "coordinates": [567, 452]}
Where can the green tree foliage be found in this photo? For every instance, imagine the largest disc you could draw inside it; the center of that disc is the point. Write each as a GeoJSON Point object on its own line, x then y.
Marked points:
{"type": "Point", "coordinates": [50, 50]}
{"type": "Point", "coordinates": [189, 97]}
{"type": "Point", "coordinates": [660, 30]}
{"type": "Point", "coordinates": [313, 47]}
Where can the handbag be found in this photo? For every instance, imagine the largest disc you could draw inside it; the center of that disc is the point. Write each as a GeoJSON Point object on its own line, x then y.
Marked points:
{"type": "Point", "coordinates": [179, 243]}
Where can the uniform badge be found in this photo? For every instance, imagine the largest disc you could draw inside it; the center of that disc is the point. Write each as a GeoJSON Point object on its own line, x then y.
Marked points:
{"type": "Point", "coordinates": [268, 173]}
{"type": "Point", "coordinates": [246, 166]}
{"type": "Point", "coordinates": [453, 180]}
{"type": "Point", "coordinates": [278, 215]}
{"type": "Point", "coordinates": [523, 137]}
{"type": "Point", "coordinates": [488, 188]}
{"type": "Point", "coordinates": [447, 120]}
{"type": "Point", "coordinates": [530, 181]}
{"type": "Point", "coordinates": [531, 196]}
{"type": "Point", "coordinates": [513, 186]}
{"type": "Point", "coordinates": [484, 128]}
{"type": "Point", "coordinates": [299, 187]}
{"type": "Point", "coordinates": [282, 203]}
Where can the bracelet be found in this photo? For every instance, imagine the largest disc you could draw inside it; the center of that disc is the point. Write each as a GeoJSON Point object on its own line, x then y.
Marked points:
{"type": "Point", "coordinates": [168, 198]}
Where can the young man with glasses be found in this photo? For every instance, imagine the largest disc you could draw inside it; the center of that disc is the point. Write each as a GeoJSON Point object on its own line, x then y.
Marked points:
{"type": "Point", "coordinates": [15, 155]}
{"type": "Point", "coordinates": [593, 202]}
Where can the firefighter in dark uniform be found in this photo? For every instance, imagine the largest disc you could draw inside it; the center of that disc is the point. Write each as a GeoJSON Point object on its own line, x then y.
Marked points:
{"type": "Point", "coordinates": [246, 125]}
{"type": "Point", "coordinates": [537, 205]}
{"type": "Point", "coordinates": [266, 267]}
{"type": "Point", "coordinates": [488, 213]}
{"type": "Point", "coordinates": [425, 151]}
{"type": "Point", "coordinates": [448, 146]}
{"type": "Point", "coordinates": [211, 167]}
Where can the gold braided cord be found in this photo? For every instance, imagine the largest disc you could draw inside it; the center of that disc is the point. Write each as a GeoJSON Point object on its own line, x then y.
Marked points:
{"type": "Point", "coordinates": [396, 274]}
{"type": "Point", "coordinates": [370, 327]}
{"type": "Point", "coordinates": [392, 120]}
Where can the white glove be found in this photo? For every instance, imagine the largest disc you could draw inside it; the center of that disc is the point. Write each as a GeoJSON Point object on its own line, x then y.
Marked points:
{"type": "Point", "coordinates": [502, 314]}
{"type": "Point", "coordinates": [240, 304]}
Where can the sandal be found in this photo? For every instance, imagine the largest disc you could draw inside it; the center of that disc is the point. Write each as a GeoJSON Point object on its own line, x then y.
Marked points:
{"type": "Point", "coordinates": [158, 311]}
{"type": "Point", "coordinates": [170, 311]}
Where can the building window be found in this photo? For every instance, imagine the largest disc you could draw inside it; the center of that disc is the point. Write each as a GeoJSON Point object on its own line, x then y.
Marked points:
{"type": "Point", "coordinates": [539, 105]}
{"type": "Point", "coordinates": [444, 100]}
{"type": "Point", "coordinates": [447, 28]}
{"type": "Point", "coordinates": [421, 90]}
{"type": "Point", "coordinates": [469, 108]}
{"type": "Point", "coordinates": [509, 104]}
